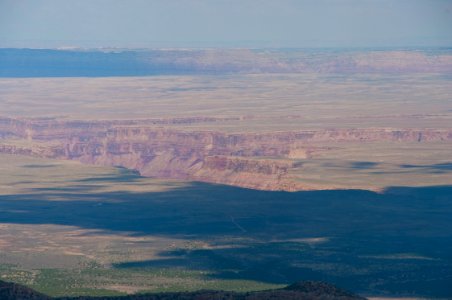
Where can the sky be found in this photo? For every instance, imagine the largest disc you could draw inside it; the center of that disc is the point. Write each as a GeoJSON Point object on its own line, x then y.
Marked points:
{"type": "Point", "coordinates": [225, 23]}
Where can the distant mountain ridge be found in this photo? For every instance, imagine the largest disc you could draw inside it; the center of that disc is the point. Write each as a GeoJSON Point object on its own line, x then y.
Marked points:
{"type": "Point", "coordinates": [101, 63]}
{"type": "Point", "coordinates": [305, 290]}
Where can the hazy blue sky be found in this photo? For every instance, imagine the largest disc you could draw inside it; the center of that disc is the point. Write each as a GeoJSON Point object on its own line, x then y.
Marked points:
{"type": "Point", "coordinates": [231, 23]}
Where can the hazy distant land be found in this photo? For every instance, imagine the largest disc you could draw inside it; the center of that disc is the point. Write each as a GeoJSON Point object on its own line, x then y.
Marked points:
{"type": "Point", "coordinates": [177, 179]}
{"type": "Point", "coordinates": [132, 62]}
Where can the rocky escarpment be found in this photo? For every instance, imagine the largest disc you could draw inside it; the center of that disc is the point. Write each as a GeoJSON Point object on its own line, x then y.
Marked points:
{"type": "Point", "coordinates": [255, 160]}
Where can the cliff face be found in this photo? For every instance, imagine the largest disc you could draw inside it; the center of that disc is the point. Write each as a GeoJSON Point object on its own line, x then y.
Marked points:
{"type": "Point", "coordinates": [255, 160]}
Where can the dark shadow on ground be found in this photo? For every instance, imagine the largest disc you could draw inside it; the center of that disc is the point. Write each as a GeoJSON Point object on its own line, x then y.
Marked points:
{"type": "Point", "coordinates": [362, 165]}
{"type": "Point", "coordinates": [398, 241]}
{"type": "Point", "coordinates": [39, 166]}
{"type": "Point", "coordinates": [434, 169]}
{"type": "Point", "coordinates": [123, 175]}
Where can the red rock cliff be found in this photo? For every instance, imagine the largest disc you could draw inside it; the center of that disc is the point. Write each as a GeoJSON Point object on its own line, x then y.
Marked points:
{"type": "Point", "coordinates": [255, 160]}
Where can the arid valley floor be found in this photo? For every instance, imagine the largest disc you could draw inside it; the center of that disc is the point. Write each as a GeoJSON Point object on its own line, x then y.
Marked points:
{"type": "Point", "coordinates": [247, 181]}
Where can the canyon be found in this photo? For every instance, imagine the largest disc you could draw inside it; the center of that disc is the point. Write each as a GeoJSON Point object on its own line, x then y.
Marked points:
{"type": "Point", "coordinates": [254, 160]}
{"type": "Point", "coordinates": [178, 170]}
{"type": "Point", "coordinates": [271, 131]}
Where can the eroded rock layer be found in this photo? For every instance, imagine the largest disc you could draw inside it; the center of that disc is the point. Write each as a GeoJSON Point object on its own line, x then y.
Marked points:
{"type": "Point", "coordinates": [255, 160]}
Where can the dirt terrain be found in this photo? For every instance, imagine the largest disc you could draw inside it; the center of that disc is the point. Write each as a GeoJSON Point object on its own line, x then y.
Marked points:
{"type": "Point", "coordinates": [179, 181]}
